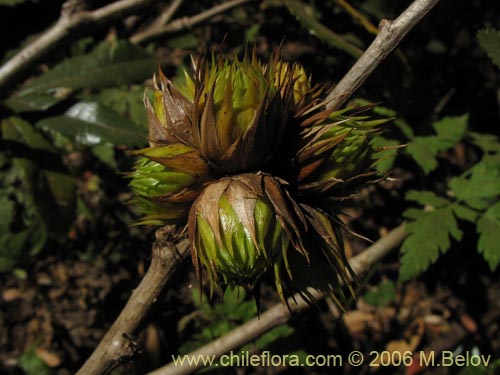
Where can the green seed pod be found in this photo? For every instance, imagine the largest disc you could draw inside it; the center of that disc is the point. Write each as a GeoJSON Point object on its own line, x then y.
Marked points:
{"type": "Point", "coordinates": [336, 153]}
{"type": "Point", "coordinates": [239, 227]}
{"type": "Point", "coordinates": [166, 180]}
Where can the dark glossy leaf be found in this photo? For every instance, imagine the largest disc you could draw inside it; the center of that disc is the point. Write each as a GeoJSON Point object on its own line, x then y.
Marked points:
{"type": "Point", "coordinates": [110, 64]}
{"type": "Point", "coordinates": [128, 101]}
{"type": "Point", "coordinates": [37, 101]}
{"type": "Point", "coordinates": [91, 124]}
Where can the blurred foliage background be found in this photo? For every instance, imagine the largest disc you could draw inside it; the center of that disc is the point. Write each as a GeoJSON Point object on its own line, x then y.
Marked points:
{"type": "Point", "coordinates": [69, 254]}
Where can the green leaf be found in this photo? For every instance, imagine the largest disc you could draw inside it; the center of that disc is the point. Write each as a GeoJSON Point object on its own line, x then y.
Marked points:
{"type": "Point", "coordinates": [110, 64]}
{"type": "Point", "coordinates": [429, 235]}
{"type": "Point", "coordinates": [450, 130]}
{"type": "Point", "coordinates": [320, 31]}
{"type": "Point", "coordinates": [128, 101]}
{"type": "Point", "coordinates": [423, 153]}
{"type": "Point", "coordinates": [91, 123]}
{"type": "Point", "coordinates": [488, 143]}
{"type": "Point", "coordinates": [33, 365]}
{"type": "Point", "coordinates": [425, 197]}
{"type": "Point", "coordinates": [106, 153]}
{"type": "Point", "coordinates": [488, 228]}
{"type": "Point", "coordinates": [465, 213]}
{"type": "Point", "coordinates": [482, 186]}
{"type": "Point", "coordinates": [382, 295]}
{"type": "Point", "coordinates": [489, 39]}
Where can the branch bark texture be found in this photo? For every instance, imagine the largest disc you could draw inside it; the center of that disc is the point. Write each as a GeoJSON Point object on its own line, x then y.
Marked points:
{"type": "Point", "coordinates": [118, 343]}
{"type": "Point", "coordinates": [390, 35]}
{"type": "Point", "coordinates": [279, 313]}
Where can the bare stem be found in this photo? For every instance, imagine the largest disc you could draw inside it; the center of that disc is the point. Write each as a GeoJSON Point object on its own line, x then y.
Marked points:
{"type": "Point", "coordinates": [118, 343]}
{"type": "Point", "coordinates": [279, 314]}
{"type": "Point", "coordinates": [390, 35]}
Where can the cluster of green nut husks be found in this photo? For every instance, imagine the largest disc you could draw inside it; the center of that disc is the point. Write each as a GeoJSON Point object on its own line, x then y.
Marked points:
{"type": "Point", "coordinates": [249, 157]}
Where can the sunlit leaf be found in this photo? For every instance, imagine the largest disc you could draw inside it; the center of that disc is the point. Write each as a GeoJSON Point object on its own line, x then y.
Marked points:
{"type": "Point", "coordinates": [429, 236]}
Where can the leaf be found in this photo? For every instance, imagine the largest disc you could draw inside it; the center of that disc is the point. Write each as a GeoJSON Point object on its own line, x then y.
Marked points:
{"type": "Point", "coordinates": [106, 153]}
{"type": "Point", "coordinates": [488, 143]}
{"type": "Point", "coordinates": [382, 295]}
{"type": "Point", "coordinates": [91, 123]}
{"type": "Point", "coordinates": [425, 197]}
{"type": "Point", "coordinates": [450, 130]}
{"type": "Point", "coordinates": [429, 235]}
{"type": "Point", "coordinates": [320, 31]}
{"type": "Point", "coordinates": [128, 101]}
{"type": "Point", "coordinates": [482, 186]}
{"type": "Point", "coordinates": [488, 228]}
{"type": "Point", "coordinates": [108, 65]}
{"type": "Point", "coordinates": [423, 153]}
{"type": "Point", "coordinates": [47, 191]}
{"type": "Point", "coordinates": [33, 365]}
{"type": "Point", "coordinates": [489, 39]}
{"type": "Point", "coordinates": [465, 213]}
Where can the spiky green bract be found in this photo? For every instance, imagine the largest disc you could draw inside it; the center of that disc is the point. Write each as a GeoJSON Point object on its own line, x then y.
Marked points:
{"type": "Point", "coordinates": [232, 113]}
{"type": "Point", "coordinates": [166, 180]}
{"type": "Point", "coordinates": [326, 269]}
{"type": "Point", "coordinates": [241, 226]}
{"type": "Point", "coordinates": [335, 154]}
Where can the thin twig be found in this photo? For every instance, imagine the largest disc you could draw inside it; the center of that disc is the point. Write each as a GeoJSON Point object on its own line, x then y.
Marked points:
{"type": "Point", "coordinates": [186, 22]}
{"type": "Point", "coordinates": [68, 23]}
{"type": "Point", "coordinates": [279, 314]}
{"type": "Point", "coordinates": [390, 35]}
{"type": "Point", "coordinates": [118, 345]}
{"type": "Point", "coordinates": [161, 21]}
